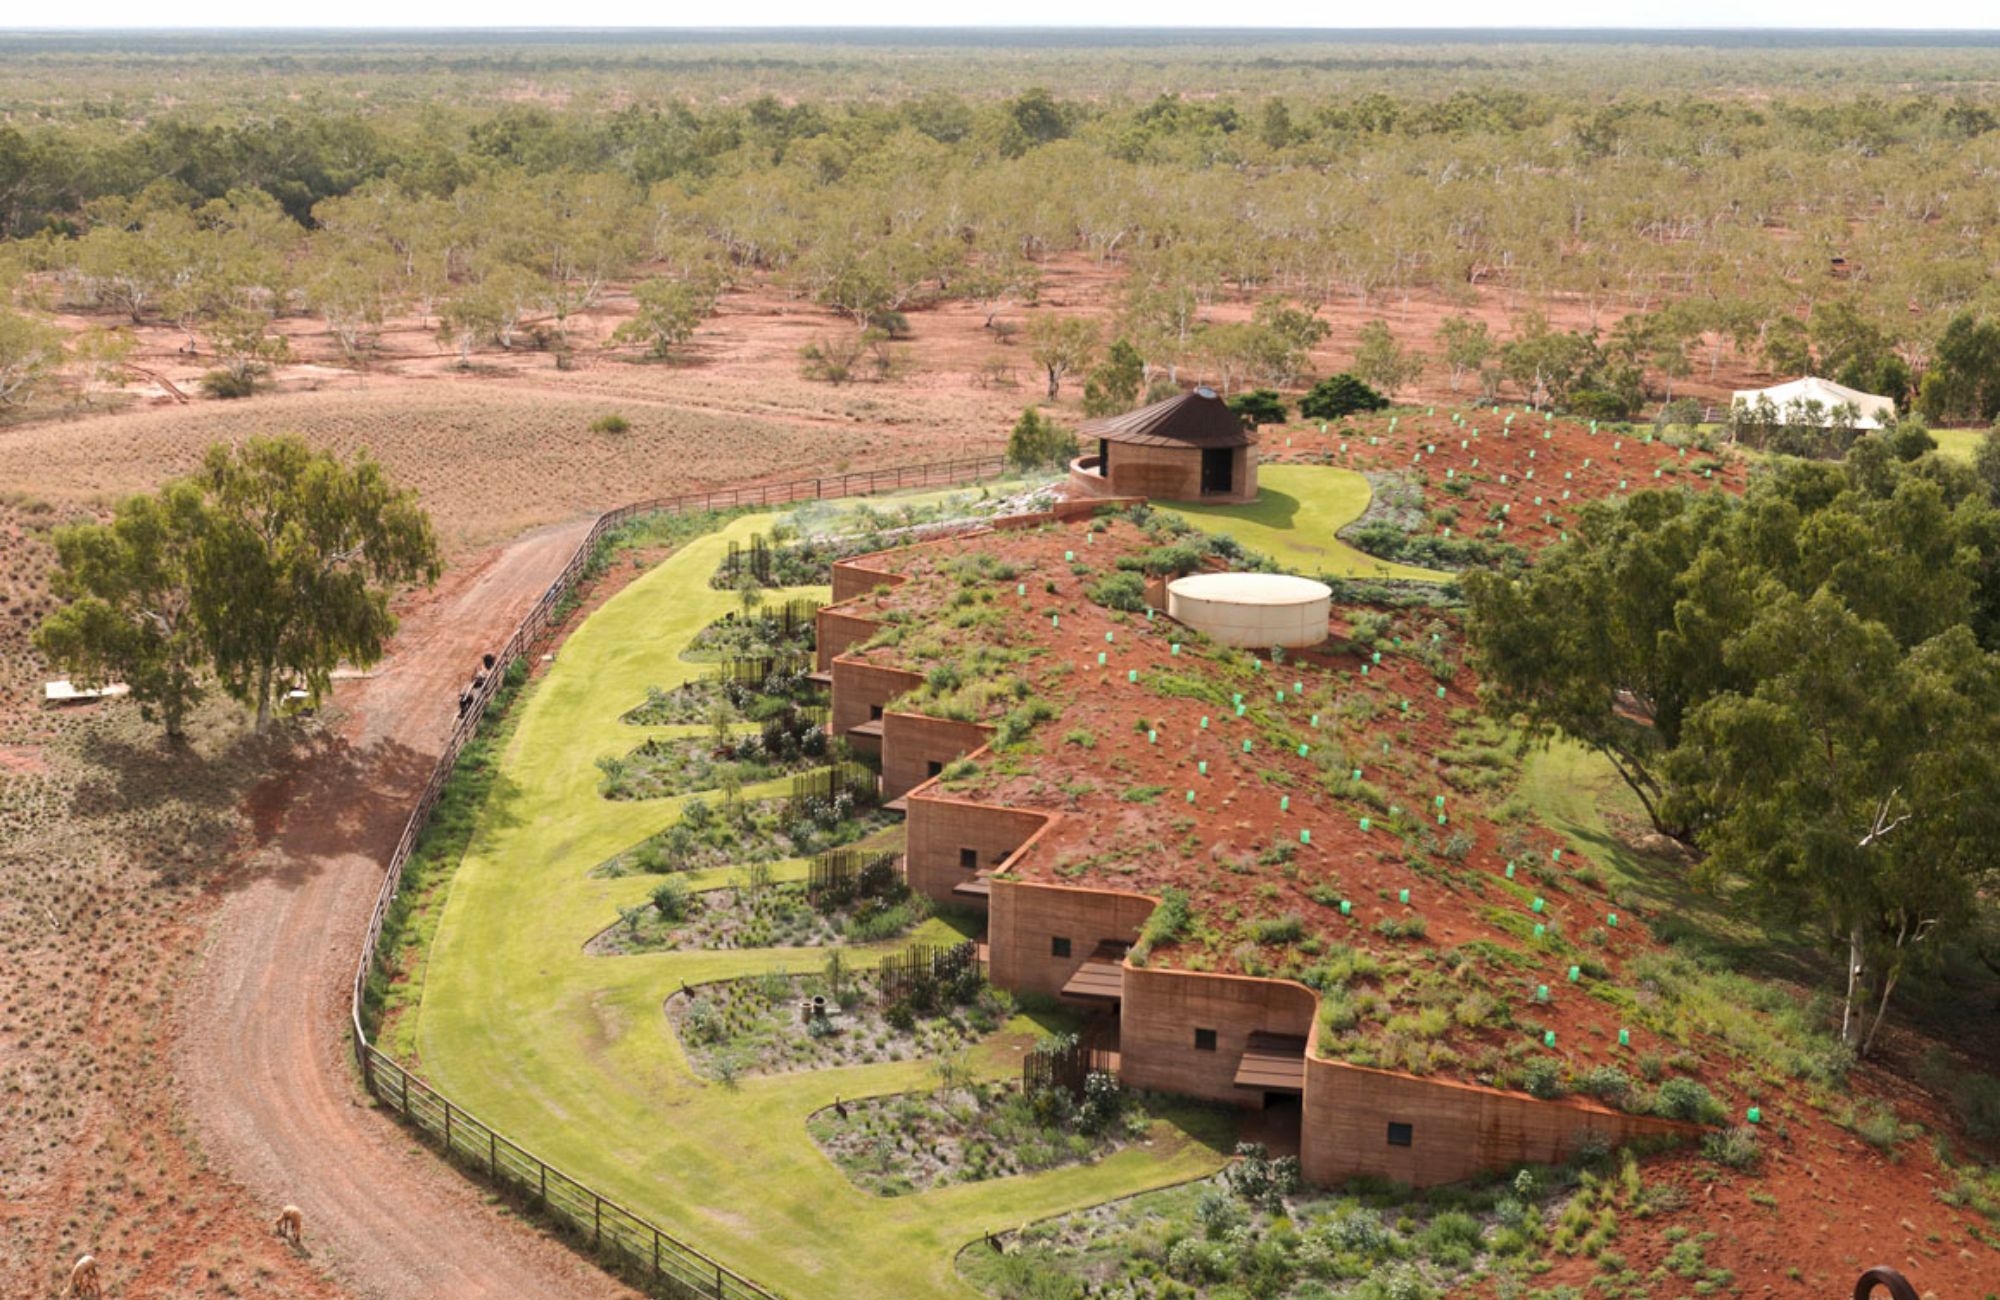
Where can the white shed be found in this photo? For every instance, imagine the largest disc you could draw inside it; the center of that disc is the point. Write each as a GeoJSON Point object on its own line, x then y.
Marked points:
{"type": "Point", "coordinates": [1811, 400]}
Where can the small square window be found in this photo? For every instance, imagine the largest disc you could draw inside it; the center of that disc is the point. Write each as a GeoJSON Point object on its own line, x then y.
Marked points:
{"type": "Point", "coordinates": [933, 767]}
{"type": "Point", "coordinates": [969, 859]}
{"type": "Point", "coordinates": [1058, 946]}
{"type": "Point", "coordinates": [874, 713]}
{"type": "Point", "coordinates": [1204, 1040]}
{"type": "Point", "coordinates": [1400, 1135]}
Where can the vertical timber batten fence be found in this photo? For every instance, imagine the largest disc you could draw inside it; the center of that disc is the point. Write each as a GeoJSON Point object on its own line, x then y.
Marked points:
{"type": "Point", "coordinates": [641, 1247]}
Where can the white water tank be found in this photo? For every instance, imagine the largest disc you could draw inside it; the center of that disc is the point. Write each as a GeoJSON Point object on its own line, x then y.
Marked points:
{"type": "Point", "coordinates": [1252, 611]}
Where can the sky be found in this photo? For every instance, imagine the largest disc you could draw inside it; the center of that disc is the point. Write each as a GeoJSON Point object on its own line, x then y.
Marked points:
{"type": "Point", "coordinates": [1962, 14]}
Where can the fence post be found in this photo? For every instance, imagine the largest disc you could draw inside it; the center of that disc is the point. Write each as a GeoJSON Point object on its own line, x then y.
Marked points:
{"type": "Point", "coordinates": [597, 1220]}
{"type": "Point", "coordinates": [447, 1126]}
{"type": "Point", "coordinates": [406, 1089]}
{"type": "Point", "coordinates": [656, 1252]}
{"type": "Point", "coordinates": [545, 1183]}
{"type": "Point", "coordinates": [493, 1155]}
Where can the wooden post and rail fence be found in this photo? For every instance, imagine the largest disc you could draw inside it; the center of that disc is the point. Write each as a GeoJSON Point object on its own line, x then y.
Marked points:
{"type": "Point", "coordinates": [639, 1247]}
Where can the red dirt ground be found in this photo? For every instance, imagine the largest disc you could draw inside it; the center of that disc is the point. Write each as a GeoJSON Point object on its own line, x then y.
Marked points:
{"type": "Point", "coordinates": [262, 1052]}
{"type": "Point", "coordinates": [497, 450]}
{"type": "Point", "coordinates": [1508, 458]}
{"type": "Point", "coordinates": [504, 446]}
{"type": "Point", "coordinates": [1829, 1205]}
{"type": "Point", "coordinates": [1214, 847]}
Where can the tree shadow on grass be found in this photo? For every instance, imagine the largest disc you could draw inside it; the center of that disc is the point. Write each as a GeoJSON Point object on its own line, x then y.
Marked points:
{"type": "Point", "coordinates": [1720, 922]}
{"type": "Point", "coordinates": [1271, 509]}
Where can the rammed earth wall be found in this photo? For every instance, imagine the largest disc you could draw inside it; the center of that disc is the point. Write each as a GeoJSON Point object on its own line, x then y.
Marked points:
{"type": "Point", "coordinates": [916, 748]}
{"type": "Point", "coordinates": [1454, 1131]}
{"type": "Point", "coordinates": [943, 831]}
{"type": "Point", "coordinates": [1027, 918]}
{"type": "Point", "coordinates": [1164, 1008]}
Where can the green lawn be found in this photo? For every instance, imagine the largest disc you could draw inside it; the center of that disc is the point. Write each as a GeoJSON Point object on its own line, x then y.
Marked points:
{"type": "Point", "coordinates": [1295, 520]}
{"type": "Point", "coordinates": [1577, 793]}
{"type": "Point", "coordinates": [1959, 444]}
{"type": "Point", "coordinates": [572, 1056]}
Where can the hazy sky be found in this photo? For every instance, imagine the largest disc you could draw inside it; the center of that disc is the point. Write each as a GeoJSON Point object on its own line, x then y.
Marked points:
{"type": "Point", "coordinates": [1201, 13]}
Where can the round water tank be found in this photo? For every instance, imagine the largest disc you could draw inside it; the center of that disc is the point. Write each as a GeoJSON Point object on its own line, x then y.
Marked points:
{"type": "Point", "coordinates": [1252, 610]}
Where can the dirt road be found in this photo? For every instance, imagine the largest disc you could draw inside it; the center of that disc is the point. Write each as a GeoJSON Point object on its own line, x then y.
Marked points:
{"type": "Point", "coordinates": [262, 1052]}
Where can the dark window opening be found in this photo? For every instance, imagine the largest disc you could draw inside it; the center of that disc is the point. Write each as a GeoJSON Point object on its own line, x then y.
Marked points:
{"type": "Point", "coordinates": [933, 768]}
{"type": "Point", "coordinates": [1400, 1135]}
{"type": "Point", "coordinates": [1204, 1040]}
{"type": "Point", "coordinates": [969, 859]}
{"type": "Point", "coordinates": [1058, 946]}
{"type": "Point", "coordinates": [874, 713]}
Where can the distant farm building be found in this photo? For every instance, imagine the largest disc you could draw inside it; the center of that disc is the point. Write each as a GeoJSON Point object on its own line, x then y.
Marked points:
{"type": "Point", "coordinates": [1188, 448]}
{"type": "Point", "coordinates": [1812, 402]}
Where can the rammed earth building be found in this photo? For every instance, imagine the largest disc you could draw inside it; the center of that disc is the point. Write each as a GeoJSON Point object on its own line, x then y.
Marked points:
{"type": "Point", "coordinates": [1262, 870]}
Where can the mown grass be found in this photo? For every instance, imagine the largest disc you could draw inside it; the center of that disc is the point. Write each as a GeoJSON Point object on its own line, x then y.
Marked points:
{"type": "Point", "coordinates": [571, 1054]}
{"type": "Point", "coordinates": [1296, 519]}
{"type": "Point", "coordinates": [395, 986]}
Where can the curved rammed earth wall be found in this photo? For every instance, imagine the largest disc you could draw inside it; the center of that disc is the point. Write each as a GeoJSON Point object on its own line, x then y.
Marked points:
{"type": "Point", "coordinates": [1458, 1130]}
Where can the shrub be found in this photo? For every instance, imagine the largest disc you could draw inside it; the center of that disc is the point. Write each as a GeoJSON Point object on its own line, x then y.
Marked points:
{"type": "Point", "coordinates": [1543, 1078]}
{"type": "Point", "coordinates": [1200, 1261]}
{"type": "Point", "coordinates": [223, 384]}
{"type": "Point", "coordinates": [1452, 1239]}
{"type": "Point", "coordinates": [1122, 590]}
{"type": "Point", "coordinates": [1103, 1102]}
{"type": "Point", "coordinates": [1260, 1180]}
{"type": "Point", "coordinates": [1685, 1099]}
{"type": "Point", "coordinates": [893, 323]}
{"type": "Point", "coordinates": [703, 1022]}
{"type": "Point", "coordinates": [1402, 927]}
{"type": "Point", "coordinates": [1607, 1083]}
{"type": "Point", "coordinates": [1170, 559]}
{"type": "Point", "coordinates": [672, 898]}
{"type": "Point", "coordinates": [1735, 1147]}
{"type": "Point", "coordinates": [613, 423]}
{"type": "Point", "coordinates": [1340, 395]}
{"type": "Point", "coordinates": [1167, 922]}
{"type": "Point", "coordinates": [1874, 1124]}
{"type": "Point", "coordinates": [832, 360]}
{"type": "Point", "coordinates": [1218, 1212]}
{"type": "Point", "coordinates": [1289, 928]}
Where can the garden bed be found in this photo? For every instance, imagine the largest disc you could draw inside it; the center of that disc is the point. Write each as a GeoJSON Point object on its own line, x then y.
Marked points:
{"type": "Point", "coordinates": [781, 631]}
{"type": "Point", "coordinates": [1251, 1230]}
{"type": "Point", "coordinates": [969, 1132]}
{"type": "Point", "coordinates": [741, 832]}
{"type": "Point", "coordinates": [701, 701]}
{"type": "Point", "coordinates": [736, 1028]}
{"type": "Point", "coordinates": [754, 913]}
{"type": "Point", "coordinates": [663, 767]}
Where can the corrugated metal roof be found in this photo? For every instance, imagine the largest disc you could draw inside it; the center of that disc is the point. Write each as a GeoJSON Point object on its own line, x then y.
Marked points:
{"type": "Point", "coordinates": [1193, 419]}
